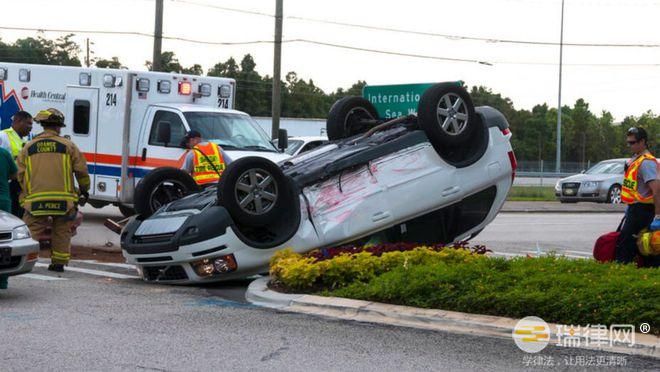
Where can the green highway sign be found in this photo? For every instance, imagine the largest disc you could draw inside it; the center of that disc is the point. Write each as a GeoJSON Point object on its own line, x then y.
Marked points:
{"type": "Point", "coordinates": [392, 101]}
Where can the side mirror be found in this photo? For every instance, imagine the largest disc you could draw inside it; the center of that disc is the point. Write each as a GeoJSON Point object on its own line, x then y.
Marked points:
{"type": "Point", "coordinates": [282, 139]}
{"type": "Point", "coordinates": [164, 132]}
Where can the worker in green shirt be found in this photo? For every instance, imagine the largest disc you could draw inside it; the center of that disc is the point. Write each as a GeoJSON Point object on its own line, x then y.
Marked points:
{"type": "Point", "coordinates": [8, 170]}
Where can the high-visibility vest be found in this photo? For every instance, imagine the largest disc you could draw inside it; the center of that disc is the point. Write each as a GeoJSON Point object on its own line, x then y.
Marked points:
{"type": "Point", "coordinates": [15, 141]}
{"type": "Point", "coordinates": [208, 163]}
{"type": "Point", "coordinates": [629, 194]}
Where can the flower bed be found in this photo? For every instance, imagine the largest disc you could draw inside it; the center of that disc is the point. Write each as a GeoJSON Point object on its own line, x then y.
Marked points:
{"type": "Point", "coordinates": [554, 288]}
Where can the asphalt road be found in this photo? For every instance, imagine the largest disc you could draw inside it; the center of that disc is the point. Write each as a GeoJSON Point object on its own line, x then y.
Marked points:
{"type": "Point", "coordinates": [83, 321]}
{"type": "Point", "coordinates": [565, 233]}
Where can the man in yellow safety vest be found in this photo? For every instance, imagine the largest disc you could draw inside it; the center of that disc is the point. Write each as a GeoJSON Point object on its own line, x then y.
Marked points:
{"type": "Point", "coordinates": [205, 161]}
{"type": "Point", "coordinates": [641, 191]}
{"type": "Point", "coordinates": [12, 139]}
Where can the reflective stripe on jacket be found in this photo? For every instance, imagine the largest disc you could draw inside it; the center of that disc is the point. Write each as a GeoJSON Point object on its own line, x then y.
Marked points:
{"type": "Point", "coordinates": [208, 163]}
{"type": "Point", "coordinates": [629, 193]}
{"type": "Point", "coordinates": [15, 141]}
{"type": "Point", "coordinates": [46, 168]}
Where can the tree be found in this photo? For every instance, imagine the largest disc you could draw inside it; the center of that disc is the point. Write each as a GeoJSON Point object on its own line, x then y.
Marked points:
{"type": "Point", "coordinates": [61, 51]}
{"type": "Point", "coordinates": [109, 63]}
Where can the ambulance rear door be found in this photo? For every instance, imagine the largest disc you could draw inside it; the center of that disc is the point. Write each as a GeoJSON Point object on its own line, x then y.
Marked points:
{"type": "Point", "coordinates": [82, 128]}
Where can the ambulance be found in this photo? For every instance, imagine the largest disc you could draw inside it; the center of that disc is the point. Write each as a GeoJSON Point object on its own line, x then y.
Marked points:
{"type": "Point", "coordinates": [130, 124]}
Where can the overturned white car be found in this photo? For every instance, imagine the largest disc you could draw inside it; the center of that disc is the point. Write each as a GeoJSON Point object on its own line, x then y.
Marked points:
{"type": "Point", "coordinates": [441, 176]}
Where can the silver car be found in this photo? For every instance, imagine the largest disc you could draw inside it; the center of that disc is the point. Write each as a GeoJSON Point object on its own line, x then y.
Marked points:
{"type": "Point", "coordinates": [18, 252]}
{"type": "Point", "coordinates": [601, 184]}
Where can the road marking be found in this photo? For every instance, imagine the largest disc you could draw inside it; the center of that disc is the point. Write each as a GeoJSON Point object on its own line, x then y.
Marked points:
{"type": "Point", "coordinates": [41, 277]}
{"type": "Point", "coordinates": [588, 254]}
{"type": "Point", "coordinates": [558, 254]}
{"type": "Point", "coordinates": [508, 254]}
{"type": "Point", "coordinates": [93, 272]}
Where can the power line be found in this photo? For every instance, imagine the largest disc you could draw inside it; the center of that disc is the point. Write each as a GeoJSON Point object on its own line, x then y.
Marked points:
{"type": "Point", "coordinates": [423, 33]}
{"type": "Point", "coordinates": [333, 45]}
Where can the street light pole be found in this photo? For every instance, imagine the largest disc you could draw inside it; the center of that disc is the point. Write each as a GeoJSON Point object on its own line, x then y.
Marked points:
{"type": "Point", "coordinates": [277, 62]}
{"type": "Point", "coordinates": [561, 50]}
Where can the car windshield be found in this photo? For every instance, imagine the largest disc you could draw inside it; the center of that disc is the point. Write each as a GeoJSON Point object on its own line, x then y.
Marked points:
{"type": "Point", "coordinates": [606, 168]}
{"type": "Point", "coordinates": [230, 131]}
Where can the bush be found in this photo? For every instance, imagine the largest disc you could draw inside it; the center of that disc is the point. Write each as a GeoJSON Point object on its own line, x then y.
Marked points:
{"type": "Point", "coordinates": [556, 289]}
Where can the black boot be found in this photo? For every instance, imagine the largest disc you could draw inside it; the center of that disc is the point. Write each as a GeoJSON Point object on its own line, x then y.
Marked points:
{"type": "Point", "coordinates": [56, 267]}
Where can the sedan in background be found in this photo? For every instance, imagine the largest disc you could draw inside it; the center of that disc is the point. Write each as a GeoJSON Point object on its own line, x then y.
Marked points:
{"type": "Point", "coordinates": [298, 145]}
{"type": "Point", "coordinates": [601, 184]}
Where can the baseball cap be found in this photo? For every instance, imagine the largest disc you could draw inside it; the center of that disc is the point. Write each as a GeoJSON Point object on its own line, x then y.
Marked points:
{"type": "Point", "coordinates": [50, 116]}
{"type": "Point", "coordinates": [193, 134]}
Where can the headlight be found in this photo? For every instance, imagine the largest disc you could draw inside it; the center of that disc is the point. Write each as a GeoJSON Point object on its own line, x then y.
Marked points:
{"type": "Point", "coordinates": [590, 184]}
{"type": "Point", "coordinates": [21, 232]}
{"type": "Point", "coordinates": [558, 186]}
{"type": "Point", "coordinates": [214, 266]}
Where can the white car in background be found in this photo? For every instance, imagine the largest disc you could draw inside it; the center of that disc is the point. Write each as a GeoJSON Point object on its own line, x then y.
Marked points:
{"type": "Point", "coordinates": [438, 177]}
{"type": "Point", "coordinates": [298, 145]}
{"type": "Point", "coordinates": [18, 252]}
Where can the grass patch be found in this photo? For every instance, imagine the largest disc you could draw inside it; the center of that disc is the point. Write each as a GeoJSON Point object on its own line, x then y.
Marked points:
{"type": "Point", "coordinates": [532, 193]}
{"type": "Point", "coordinates": [556, 289]}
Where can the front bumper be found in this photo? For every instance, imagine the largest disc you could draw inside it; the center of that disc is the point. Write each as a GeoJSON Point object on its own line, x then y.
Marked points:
{"type": "Point", "coordinates": [168, 258]}
{"type": "Point", "coordinates": [20, 249]}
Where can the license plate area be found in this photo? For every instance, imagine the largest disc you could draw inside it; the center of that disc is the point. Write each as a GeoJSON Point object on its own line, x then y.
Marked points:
{"type": "Point", "coordinates": [5, 255]}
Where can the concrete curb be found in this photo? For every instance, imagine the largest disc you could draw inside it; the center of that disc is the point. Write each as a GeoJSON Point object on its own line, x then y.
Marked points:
{"type": "Point", "coordinates": [259, 294]}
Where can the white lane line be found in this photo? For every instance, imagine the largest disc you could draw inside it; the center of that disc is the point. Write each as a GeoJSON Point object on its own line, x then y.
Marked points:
{"type": "Point", "coordinates": [507, 254]}
{"type": "Point", "coordinates": [40, 277]}
{"type": "Point", "coordinates": [559, 254]}
{"type": "Point", "coordinates": [588, 254]}
{"type": "Point", "coordinates": [110, 264]}
{"type": "Point", "coordinates": [93, 272]}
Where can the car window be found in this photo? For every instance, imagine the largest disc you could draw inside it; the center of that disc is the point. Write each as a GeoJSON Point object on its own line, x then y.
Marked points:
{"type": "Point", "coordinates": [177, 130]}
{"type": "Point", "coordinates": [231, 131]}
{"type": "Point", "coordinates": [607, 168]}
{"type": "Point", "coordinates": [294, 145]}
{"type": "Point", "coordinates": [311, 146]}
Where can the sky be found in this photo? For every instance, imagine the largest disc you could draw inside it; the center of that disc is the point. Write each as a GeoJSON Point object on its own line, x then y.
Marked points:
{"type": "Point", "coordinates": [621, 80]}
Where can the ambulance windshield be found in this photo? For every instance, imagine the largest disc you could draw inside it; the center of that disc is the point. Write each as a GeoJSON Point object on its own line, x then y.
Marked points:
{"type": "Point", "coordinates": [231, 131]}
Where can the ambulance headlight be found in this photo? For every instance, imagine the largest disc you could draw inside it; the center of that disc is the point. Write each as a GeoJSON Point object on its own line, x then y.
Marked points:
{"type": "Point", "coordinates": [143, 85]}
{"type": "Point", "coordinates": [3, 74]}
{"type": "Point", "coordinates": [205, 90]}
{"type": "Point", "coordinates": [108, 80]}
{"type": "Point", "coordinates": [85, 79]}
{"type": "Point", "coordinates": [21, 232]}
{"type": "Point", "coordinates": [224, 91]}
{"type": "Point", "coordinates": [164, 86]}
{"type": "Point", "coordinates": [24, 75]}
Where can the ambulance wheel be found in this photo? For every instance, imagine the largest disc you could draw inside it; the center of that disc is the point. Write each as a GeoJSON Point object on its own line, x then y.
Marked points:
{"type": "Point", "coordinates": [350, 116]}
{"type": "Point", "coordinates": [162, 186]}
{"type": "Point", "coordinates": [255, 191]}
{"type": "Point", "coordinates": [446, 114]}
{"type": "Point", "coordinates": [126, 211]}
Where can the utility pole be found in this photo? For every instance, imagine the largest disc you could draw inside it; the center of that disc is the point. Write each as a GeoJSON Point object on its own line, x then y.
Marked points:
{"type": "Point", "coordinates": [277, 65]}
{"type": "Point", "coordinates": [87, 61]}
{"type": "Point", "coordinates": [158, 37]}
{"type": "Point", "coordinates": [561, 50]}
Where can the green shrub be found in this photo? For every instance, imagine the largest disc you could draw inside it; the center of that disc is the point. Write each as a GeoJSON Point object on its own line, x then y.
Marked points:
{"type": "Point", "coordinates": [556, 289]}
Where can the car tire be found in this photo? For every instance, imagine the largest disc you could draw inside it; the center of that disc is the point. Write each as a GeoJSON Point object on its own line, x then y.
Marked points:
{"type": "Point", "coordinates": [350, 116]}
{"type": "Point", "coordinates": [446, 113]}
{"type": "Point", "coordinates": [255, 191]}
{"type": "Point", "coordinates": [614, 194]}
{"type": "Point", "coordinates": [126, 211]}
{"type": "Point", "coordinates": [162, 186]}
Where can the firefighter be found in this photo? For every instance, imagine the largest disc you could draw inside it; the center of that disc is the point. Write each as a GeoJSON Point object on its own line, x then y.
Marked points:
{"type": "Point", "coordinates": [205, 161]}
{"type": "Point", "coordinates": [12, 139]}
{"type": "Point", "coordinates": [46, 168]}
{"type": "Point", "coordinates": [641, 191]}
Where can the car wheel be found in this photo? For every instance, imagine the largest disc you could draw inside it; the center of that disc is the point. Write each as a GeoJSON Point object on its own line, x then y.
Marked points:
{"type": "Point", "coordinates": [350, 116]}
{"type": "Point", "coordinates": [162, 186]}
{"type": "Point", "coordinates": [126, 211]}
{"type": "Point", "coordinates": [446, 113]}
{"type": "Point", "coordinates": [614, 194]}
{"type": "Point", "coordinates": [255, 191]}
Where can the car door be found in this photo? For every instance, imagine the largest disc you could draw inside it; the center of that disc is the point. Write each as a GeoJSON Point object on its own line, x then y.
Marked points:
{"type": "Point", "coordinates": [82, 127]}
{"type": "Point", "coordinates": [154, 152]}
